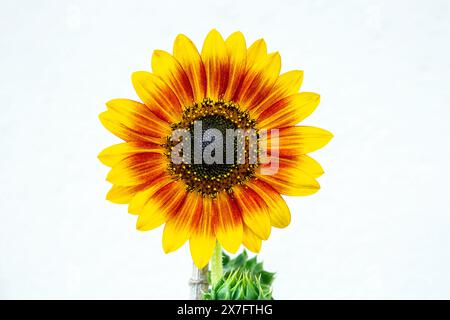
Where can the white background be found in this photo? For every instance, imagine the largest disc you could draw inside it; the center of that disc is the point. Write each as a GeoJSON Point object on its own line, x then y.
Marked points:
{"type": "Point", "coordinates": [378, 228]}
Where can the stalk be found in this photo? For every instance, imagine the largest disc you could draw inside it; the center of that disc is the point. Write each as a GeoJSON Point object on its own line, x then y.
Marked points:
{"type": "Point", "coordinates": [216, 264]}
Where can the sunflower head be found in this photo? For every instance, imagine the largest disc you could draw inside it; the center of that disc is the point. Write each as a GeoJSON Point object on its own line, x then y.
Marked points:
{"type": "Point", "coordinates": [213, 145]}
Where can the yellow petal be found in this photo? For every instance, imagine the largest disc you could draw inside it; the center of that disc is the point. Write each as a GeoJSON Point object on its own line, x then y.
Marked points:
{"type": "Point", "coordinates": [115, 153]}
{"type": "Point", "coordinates": [256, 60]}
{"type": "Point", "coordinates": [161, 205]}
{"type": "Point", "coordinates": [187, 55]}
{"type": "Point", "coordinates": [254, 211]}
{"type": "Point", "coordinates": [137, 169]}
{"type": "Point", "coordinates": [157, 96]}
{"type": "Point", "coordinates": [180, 225]}
{"type": "Point", "coordinates": [202, 239]}
{"type": "Point", "coordinates": [256, 53]}
{"type": "Point", "coordinates": [280, 215]}
{"type": "Point", "coordinates": [259, 80]}
{"type": "Point", "coordinates": [309, 165]}
{"type": "Point", "coordinates": [287, 84]}
{"type": "Point", "coordinates": [121, 195]}
{"type": "Point", "coordinates": [237, 53]}
{"type": "Point", "coordinates": [227, 222]}
{"type": "Point", "coordinates": [137, 117]}
{"type": "Point", "coordinates": [289, 180]}
{"type": "Point", "coordinates": [170, 71]}
{"type": "Point", "coordinates": [251, 241]}
{"type": "Point", "coordinates": [303, 162]}
{"type": "Point", "coordinates": [298, 140]}
{"type": "Point", "coordinates": [215, 60]}
{"type": "Point", "coordinates": [140, 200]}
{"type": "Point", "coordinates": [128, 131]}
{"type": "Point", "coordinates": [289, 111]}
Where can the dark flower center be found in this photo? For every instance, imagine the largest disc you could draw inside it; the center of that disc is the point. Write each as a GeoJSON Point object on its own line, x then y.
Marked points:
{"type": "Point", "coordinates": [215, 147]}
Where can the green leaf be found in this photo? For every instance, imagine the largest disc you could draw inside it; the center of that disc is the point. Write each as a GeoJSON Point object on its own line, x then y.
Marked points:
{"type": "Point", "coordinates": [267, 277]}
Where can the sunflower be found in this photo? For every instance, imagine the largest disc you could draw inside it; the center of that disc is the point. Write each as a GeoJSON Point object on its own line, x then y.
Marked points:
{"type": "Point", "coordinates": [226, 86]}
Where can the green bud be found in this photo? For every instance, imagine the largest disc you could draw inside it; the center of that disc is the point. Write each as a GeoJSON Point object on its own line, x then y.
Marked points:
{"type": "Point", "coordinates": [243, 279]}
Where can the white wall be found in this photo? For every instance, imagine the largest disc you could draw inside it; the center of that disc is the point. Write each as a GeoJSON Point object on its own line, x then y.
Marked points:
{"type": "Point", "coordinates": [379, 228]}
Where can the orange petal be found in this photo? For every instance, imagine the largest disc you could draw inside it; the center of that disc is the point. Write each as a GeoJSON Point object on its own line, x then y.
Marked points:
{"type": "Point", "coordinates": [251, 241]}
{"type": "Point", "coordinates": [202, 240]}
{"type": "Point", "coordinates": [289, 111]}
{"type": "Point", "coordinates": [170, 71]}
{"type": "Point", "coordinates": [227, 222]}
{"type": "Point", "coordinates": [287, 84]}
{"type": "Point", "coordinates": [187, 55]}
{"type": "Point", "coordinates": [254, 211]}
{"type": "Point", "coordinates": [161, 205]}
{"type": "Point", "coordinates": [237, 52]}
{"type": "Point", "coordinates": [157, 96]}
{"type": "Point", "coordinates": [279, 213]}
{"type": "Point", "coordinates": [216, 62]}
{"type": "Point", "coordinates": [181, 223]}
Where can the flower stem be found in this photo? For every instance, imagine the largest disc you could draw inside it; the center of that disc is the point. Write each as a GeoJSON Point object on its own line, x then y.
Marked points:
{"type": "Point", "coordinates": [216, 264]}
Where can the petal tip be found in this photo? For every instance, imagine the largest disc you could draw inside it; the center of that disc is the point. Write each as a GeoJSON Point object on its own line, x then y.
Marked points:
{"type": "Point", "coordinates": [139, 75]}
{"type": "Point", "coordinates": [181, 38]}
{"type": "Point", "coordinates": [214, 31]}
{"type": "Point", "coordinates": [200, 264]}
{"type": "Point", "coordinates": [167, 249]}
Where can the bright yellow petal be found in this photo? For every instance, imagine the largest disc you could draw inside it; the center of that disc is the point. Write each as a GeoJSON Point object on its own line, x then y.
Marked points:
{"type": "Point", "coordinates": [202, 239]}
{"type": "Point", "coordinates": [115, 153]}
{"type": "Point", "coordinates": [298, 140]}
{"type": "Point", "coordinates": [303, 162]}
{"type": "Point", "coordinates": [180, 225]}
{"type": "Point", "coordinates": [237, 52]}
{"type": "Point", "coordinates": [132, 112]}
{"type": "Point", "coordinates": [161, 205]}
{"type": "Point", "coordinates": [133, 121]}
{"type": "Point", "coordinates": [227, 222]}
{"type": "Point", "coordinates": [251, 241]}
{"type": "Point", "coordinates": [287, 84]}
{"type": "Point", "coordinates": [157, 96]}
{"type": "Point", "coordinates": [256, 61]}
{"type": "Point", "coordinates": [280, 215]}
{"type": "Point", "coordinates": [170, 71]}
{"type": "Point", "coordinates": [140, 200]}
{"type": "Point", "coordinates": [256, 52]}
{"type": "Point", "coordinates": [289, 179]}
{"type": "Point", "coordinates": [121, 195]}
{"type": "Point", "coordinates": [137, 169]}
{"type": "Point", "coordinates": [254, 211]}
{"type": "Point", "coordinates": [289, 111]}
{"type": "Point", "coordinates": [308, 164]}
{"type": "Point", "coordinates": [259, 80]}
{"type": "Point", "coordinates": [215, 60]}
{"type": "Point", "coordinates": [187, 55]}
